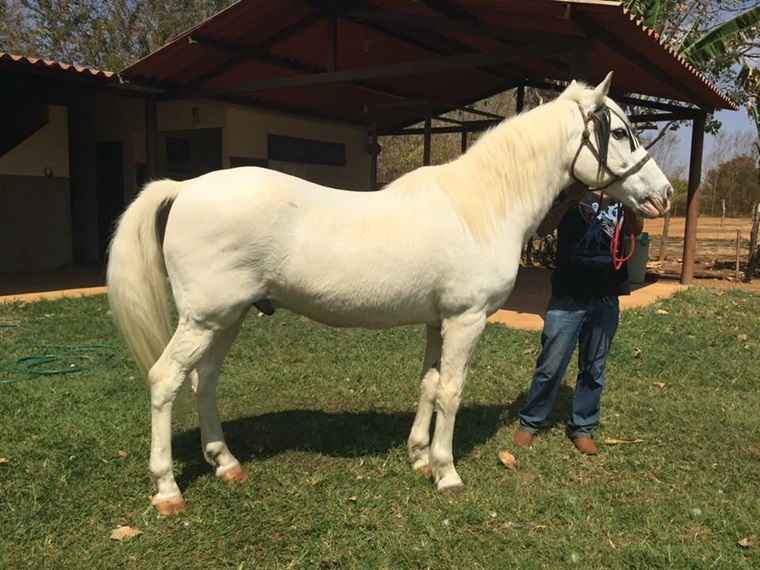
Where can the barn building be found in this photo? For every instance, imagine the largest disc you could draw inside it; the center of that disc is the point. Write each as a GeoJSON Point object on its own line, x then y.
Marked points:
{"type": "Point", "coordinates": [305, 87]}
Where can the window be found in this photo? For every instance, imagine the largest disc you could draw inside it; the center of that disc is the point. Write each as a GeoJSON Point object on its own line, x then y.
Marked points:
{"type": "Point", "coordinates": [306, 151]}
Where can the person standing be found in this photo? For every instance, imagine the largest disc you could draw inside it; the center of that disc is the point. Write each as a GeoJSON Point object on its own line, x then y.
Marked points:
{"type": "Point", "coordinates": [583, 311]}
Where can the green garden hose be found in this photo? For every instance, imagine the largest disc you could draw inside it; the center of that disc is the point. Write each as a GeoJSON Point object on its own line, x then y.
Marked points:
{"type": "Point", "coordinates": [58, 360]}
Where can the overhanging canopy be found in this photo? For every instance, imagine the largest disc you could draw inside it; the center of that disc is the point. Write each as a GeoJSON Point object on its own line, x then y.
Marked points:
{"type": "Point", "coordinates": [385, 62]}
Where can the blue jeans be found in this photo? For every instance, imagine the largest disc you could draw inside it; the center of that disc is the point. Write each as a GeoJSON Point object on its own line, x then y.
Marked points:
{"type": "Point", "coordinates": [592, 325]}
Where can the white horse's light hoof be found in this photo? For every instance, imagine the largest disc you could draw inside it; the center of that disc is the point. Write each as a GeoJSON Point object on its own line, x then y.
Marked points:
{"type": "Point", "coordinates": [450, 485]}
{"type": "Point", "coordinates": [168, 506]}
{"type": "Point", "coordinates": [232, 475]}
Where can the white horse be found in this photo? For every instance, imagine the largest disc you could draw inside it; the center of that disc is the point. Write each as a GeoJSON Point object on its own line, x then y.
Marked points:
{"type": "Point", "coordinates": [439, 246]}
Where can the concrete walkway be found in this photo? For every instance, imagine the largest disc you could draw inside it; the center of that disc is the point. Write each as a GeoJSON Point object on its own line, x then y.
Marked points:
{"type": "Point", "coordinates": [527, 304]}
{"type": "Point", "coordinates": [30, 287]}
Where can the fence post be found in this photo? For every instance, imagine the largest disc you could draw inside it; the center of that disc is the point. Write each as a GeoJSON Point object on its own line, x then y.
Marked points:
{"type": "Point", "coordinates": [752, 259]}
{"type": "Point", "coordinates": [664, 237]}
{"type": "Point", "coordinates": [738, 245]}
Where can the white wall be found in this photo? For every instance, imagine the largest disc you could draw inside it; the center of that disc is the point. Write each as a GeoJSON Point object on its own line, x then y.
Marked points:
{"type": "Point", "coordinates": [48, 148]}
{"type": "Point", "coordinates": [246, 132]}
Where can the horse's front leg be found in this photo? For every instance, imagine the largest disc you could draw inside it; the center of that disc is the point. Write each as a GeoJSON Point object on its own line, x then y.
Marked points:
{"type": "Point", "coordinates": [419, 438]}
{"type": "Point", "coordinates": [460, 334]}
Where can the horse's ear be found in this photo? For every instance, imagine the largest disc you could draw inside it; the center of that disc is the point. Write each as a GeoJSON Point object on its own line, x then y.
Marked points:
{"type": "Point", "coordinates": [571, 88]}
{"type": "Point", "coordinates": [601, 90]}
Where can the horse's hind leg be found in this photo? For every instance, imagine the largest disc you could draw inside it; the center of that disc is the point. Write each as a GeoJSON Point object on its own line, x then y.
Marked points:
{"type": "Point", "coordinates": [419, 438]}
{"type": "Point", "coordinates": [215, 449]}
{"type": "Point", "coordinates": [187, 347]}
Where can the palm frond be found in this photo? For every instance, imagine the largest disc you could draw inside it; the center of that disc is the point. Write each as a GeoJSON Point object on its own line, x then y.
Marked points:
{"type": "Point", "coordinates": [716, 42]}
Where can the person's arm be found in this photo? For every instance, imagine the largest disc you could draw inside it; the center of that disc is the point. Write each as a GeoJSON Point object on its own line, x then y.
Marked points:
{"type": "Point", "coordinates": [572, 196]}
{"type": "Point", "coordinates": [632, 224]}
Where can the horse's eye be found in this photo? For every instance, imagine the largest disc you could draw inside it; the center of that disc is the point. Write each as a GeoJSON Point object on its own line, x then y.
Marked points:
{"type": "Point", "coordinates": [619, 133]}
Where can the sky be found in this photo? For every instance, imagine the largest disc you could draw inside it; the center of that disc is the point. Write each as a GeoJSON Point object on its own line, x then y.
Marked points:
{"type": "Point", "coordinates": [732, 121]}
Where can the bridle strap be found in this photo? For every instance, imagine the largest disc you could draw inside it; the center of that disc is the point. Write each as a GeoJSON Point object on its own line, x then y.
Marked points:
{"type": "Point", "coordinates": [586, 142]}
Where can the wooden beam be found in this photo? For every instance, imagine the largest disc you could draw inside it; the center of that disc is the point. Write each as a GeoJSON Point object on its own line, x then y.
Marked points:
{"type": "Point", "coordinates": [520, 103]}
{"type": "Point", "coordinates": [469, 126]}
{"type": "Point", "coordinates": [464, 142]}
{"type": "Point", "coordinates": [453, 19]}
{"type": "Point", "coordinates": [692, 199]}
{"type": "Point", "coordinates": [418, 34]}
{"type": "Point", "coordinates": [428, 65]}
{"type": "Point", "coordinates": [447, 120]}
{"type": "Point", "coordinates": [439, 107]}
{"type": "Point", "coordinates": [449, 19]}
{"type": "Point", "coordinates": [475, 111]}
{"type": "Point", "coordinates": [262, 48]}
{"type": "Point", "coordinates": [427, 141]}
{"type": "Point", "coordinates": [663, 117]}
{"type": "Point", "coordinates": [560, 85]}
{"type": "Point", "coordinates": [374, 151]}
{"type": "Point", "coordinates": [257, 54]}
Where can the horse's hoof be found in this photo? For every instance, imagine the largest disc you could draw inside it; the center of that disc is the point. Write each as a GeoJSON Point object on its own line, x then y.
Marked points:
{"type": "Point", "coordinates": [169, 507]}
{"type": "Point", "coordinates": [425, 470]}
{"type": "Point", "coordinates": [450, 485]}
{"type": "Point", "coordinates": [455, 489]}
{"type": "Point", "coordinates": [234, 475]}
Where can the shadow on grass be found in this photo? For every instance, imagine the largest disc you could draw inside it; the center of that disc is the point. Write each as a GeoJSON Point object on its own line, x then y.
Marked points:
{"type": "Point", "coordinates": [337, 434]}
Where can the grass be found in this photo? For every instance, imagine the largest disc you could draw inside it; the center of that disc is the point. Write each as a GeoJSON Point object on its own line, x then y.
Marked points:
{"type": "Point", "coordinates": [320, 417]}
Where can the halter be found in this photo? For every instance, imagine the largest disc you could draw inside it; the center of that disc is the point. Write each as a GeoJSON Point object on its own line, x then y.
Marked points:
{"type": "Point", "coordinates": [601, 117]}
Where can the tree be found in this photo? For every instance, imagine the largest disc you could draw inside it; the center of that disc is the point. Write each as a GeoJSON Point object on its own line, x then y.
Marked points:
{"type": "Point", "coordinates": [720, 38]}
{"type": "Point", "coordinates": [735, 181]}
{"type": "Point", "coordinates": [108, 34]}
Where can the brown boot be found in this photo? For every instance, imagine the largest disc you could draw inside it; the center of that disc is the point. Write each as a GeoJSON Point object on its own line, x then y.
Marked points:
{"type": "Point", "coordinates": [585, 445]}
{"type": "Point", "coordinates": [523, 438]}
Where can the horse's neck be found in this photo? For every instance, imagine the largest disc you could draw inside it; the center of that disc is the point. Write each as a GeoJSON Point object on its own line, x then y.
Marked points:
{"type": "Point", "coordinates": [536, 169]}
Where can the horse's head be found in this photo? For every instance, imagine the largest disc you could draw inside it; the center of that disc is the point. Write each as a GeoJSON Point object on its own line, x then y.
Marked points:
{"type": "Point", "coordinates": [610, 157]}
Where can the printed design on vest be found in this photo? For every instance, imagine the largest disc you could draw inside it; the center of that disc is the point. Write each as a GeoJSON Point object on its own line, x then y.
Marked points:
{"type": "Point", "coordinates": [607, 216]}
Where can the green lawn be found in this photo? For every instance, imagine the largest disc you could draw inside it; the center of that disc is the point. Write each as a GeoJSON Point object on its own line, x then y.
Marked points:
{"type": "Point", "coordinates": [320, 417]}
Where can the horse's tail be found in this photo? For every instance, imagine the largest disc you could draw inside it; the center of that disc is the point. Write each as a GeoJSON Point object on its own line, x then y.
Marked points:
{"type": "Point", "coordinates": [138, 291]}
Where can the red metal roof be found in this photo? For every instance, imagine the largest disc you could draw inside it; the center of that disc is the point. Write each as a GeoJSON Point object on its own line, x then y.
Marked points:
{"type": "Point", "coordinates": [23, 62]}
{"type": "Point", "coordinates": [264, 52]}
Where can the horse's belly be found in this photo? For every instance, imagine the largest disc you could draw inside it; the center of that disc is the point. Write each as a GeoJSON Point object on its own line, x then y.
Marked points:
{"type": "Point", "coordinates": [357, 307]}
{"type": "Point", "coordinates": [363, 319]}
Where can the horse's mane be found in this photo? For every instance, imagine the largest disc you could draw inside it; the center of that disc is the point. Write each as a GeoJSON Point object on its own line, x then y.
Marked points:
{"type": "Point", "coordinates": [512, 165]}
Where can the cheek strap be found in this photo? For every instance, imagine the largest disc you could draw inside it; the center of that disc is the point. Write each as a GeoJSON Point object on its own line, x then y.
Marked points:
{"type": "Point", "coordinates": [586, 143]}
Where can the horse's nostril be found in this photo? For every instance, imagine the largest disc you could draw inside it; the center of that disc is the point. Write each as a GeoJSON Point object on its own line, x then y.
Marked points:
{"type": "Point", "coordinates": [669, 192]}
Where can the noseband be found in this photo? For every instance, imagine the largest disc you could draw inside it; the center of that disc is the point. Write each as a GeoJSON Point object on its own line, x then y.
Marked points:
{"type": "Point", "coordinates": [601, 119]}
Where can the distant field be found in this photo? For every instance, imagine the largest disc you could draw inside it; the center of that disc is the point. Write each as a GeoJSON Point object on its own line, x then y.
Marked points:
{"type": "Point", "coordinates": [716, 242]}
{"type": "Point", "coordinates": [707, 228]}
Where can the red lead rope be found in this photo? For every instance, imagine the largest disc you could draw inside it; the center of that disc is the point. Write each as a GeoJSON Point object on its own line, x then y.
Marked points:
{"type": "Point", "coordinates": [615, 246]}
{"type": "Point", "coordinates": [617, 261]}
